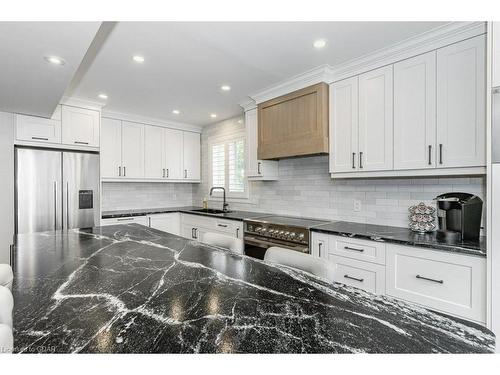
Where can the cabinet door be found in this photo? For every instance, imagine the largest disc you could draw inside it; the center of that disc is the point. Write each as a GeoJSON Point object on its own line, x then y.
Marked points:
{"type": "Point", "coordinates": [111, 148]}
{"type": "Point", "coordinates": [169, 223]}
{"type": "Point", "coordinates": [251, 129]}
{"type": "Point", "coordinates": [495, 70]}
{"type": "Point", "coordinates": [80, 126]}
{"type": "Point", "coordinates": [132, 150]}
{"type": "Point", "coordinates": [38, 129]}
{"type": "Point", "coordinates": [191, 156]}
{"type": "Point", "coordinates": [173, 144]}
{"type": "Point", "coordinates": [344, 125]}
{"type": "Point", "coordinates": [461, 123]}
{"type": "Point", "coordinates": [153, 152]}
{"type": "Point", "coordinates": [415, 112]}
{"type": "Point", "coordinates": [375, 120]}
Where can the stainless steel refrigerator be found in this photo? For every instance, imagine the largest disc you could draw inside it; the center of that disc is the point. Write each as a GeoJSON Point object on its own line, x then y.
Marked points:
{"type": "Point", "coordinates": [56, 190]}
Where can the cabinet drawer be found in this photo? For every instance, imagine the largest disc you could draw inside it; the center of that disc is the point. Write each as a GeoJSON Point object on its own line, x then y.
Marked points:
{"type": "Point", "coordinates": [451, 283]}
{"type": "Point", "coordinates": [362, 275]}
{"type": "Point", "coordinates": [212, 224]}
{"type": "Point", "coordinates": [365, 250]}
{"type": "Point", "coordinates": [37, 129]}
{"type": "Point", "coordinates": [143, 220]}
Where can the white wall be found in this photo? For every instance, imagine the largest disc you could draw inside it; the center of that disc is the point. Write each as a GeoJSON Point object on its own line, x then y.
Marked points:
{"type": "Point", "coordinates": [305, 189]}
{"type": "Point", "coordinates": [6, 185]}
{"type": "Point", "coordinates": [131, 195]}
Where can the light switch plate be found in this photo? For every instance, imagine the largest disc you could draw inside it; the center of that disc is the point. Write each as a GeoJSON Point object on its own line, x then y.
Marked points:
{"type": "Point", "coordinates": [356, 205]}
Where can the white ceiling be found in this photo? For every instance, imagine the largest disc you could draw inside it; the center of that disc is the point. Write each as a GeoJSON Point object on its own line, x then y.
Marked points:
{"type": "Point", "coordinates": [28, 84]}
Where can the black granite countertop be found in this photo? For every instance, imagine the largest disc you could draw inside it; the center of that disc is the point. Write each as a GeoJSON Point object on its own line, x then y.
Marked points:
{"type": "Point", "coordinates": [129, 288]}
{"type": "Point", "coordinates": [403, 236]}
{"type": "Point", "coordinates": [231, 215]}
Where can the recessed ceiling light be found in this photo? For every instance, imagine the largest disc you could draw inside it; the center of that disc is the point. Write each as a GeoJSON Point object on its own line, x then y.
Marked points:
{"type": "Point", "coordinates": [213, 115]}
{"type": "Point", "coordinates": [320, 43]}
{"type": "Point", "coordinates": [176, 111]}
{"type": "Point", "coordinates": [102, 96]}
{"type": "Point", "coordinates": [225, 87]}
{"type": "Point", "coordinates": [54, 60]}
{"type": "Point", "coordinates": [138, 59]}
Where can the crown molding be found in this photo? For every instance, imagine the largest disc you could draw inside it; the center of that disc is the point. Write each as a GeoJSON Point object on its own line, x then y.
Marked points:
{"type": "Point", "coordinates": [442, 36]}
{"type": "Point", "coordinates": [248, 104]}
{"type": "Point", "coordinates": [311, 77]}
{"type": "Point", "coordinates": [151, 121]}
{"type": "Point", "coordinates": [81, 102]}
{"type": "Point", "coordinates": [436, 38]}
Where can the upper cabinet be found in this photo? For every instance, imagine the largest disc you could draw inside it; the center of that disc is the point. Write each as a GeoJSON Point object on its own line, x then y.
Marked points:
{"type": "Point", "coordinates": [344, 126]}
{"type": "Point", "coordinates": [191, 156]}
{"type": "Point", "coordinates": [375, 120]}
{"type": "Point", "coordinates": [461, 105]}
{"type": "Point", "coordinates": [80, 126]}
{"type": "Point", "coordinates": [139, 152]}
{"type": "Point", "coordinates": [420, 116]}
{"type": "Point", "coordinates": [415, 112]}
{"type": "Point", "coordinates": [295, 124]}
{"type": "Point", "coordinates": [495, 70]}
{"type": "Point", "coordinates": [71, 127]}
{"type": "Point", "coordinates": [257, 169]}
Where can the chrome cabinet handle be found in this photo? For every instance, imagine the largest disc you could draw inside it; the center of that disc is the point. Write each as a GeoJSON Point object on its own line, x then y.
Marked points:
{"type": "Point", "coordinates": [167, 172]}
{"type": "Point", "coordinates": [185, 173]}
{"type": "Point", "coordinates": [429, 279]}
{"type": "Point", "coordinates": [320, 245]}
{"type": "Point", "coordinates": [353, 278]}
{"type": "Point", "coordinates": [353, 160]}
{"type": "Point", "coordinates": [67, 204]}
{"type": "Point", "coordinates": [81, 143]}
{"type": "Point", "coordinates": [430, 150]}
{"type": "Point", "coordinates": [163, 173]}
{"type": "Point", "coordinates": [237, 232]}
{"type": "Point", "coordinates": [361, 160]}
{"type": "Point", "coordinates": [196, 233]}
{"type": "Point", "coordinates": [440, 153]}
{"type": "Point", "coordinates": [40, 138]}
{"type": "Point", "coordinates": [55, 205]}
{"type": "Point", "coordinates": [258, 167]}
{"type": "Point", "coordinates": [353, 248]}
{"type": "Point", "coordinates": [192, 232]}
{"type": "Point", "coordinates": [222, 225]}
{"type": "Point", "coordinates": [125, 219]}
{"type": "Point", "coordinates": [119, 171]}
{"type": "Point", "coordinates": [124, 171]}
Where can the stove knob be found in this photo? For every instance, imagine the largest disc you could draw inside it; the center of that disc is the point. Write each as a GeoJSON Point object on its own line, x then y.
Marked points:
{"type": "Point", "coordinates": [281, 233]}
{"type": "Point", "coordinates": [250, 228]}
{"type": "Point", "coordinates": [287, 234]}
{"type": "Point", "coordinates": [301, 236]}
{"type": "Point", "coordinates": [263, 230]}
{"type": "Point", "coordinates": [292, 235]}
{"type": "Point", "coordinates": [258, 229]}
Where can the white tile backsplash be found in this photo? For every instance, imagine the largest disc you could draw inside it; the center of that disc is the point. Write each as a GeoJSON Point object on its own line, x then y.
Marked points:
{"type": "Point", "coordinates": [305, 189]}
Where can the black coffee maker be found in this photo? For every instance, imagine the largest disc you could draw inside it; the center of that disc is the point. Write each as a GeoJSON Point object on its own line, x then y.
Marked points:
{"type": "Point", "coordinates": [459, 215]}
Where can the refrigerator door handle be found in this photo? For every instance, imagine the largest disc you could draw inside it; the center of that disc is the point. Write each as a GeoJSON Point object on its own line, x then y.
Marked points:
{"type": "Point", "coordinates": [55, 205]}
{"type": "Point", "coordinates": [67, 204]}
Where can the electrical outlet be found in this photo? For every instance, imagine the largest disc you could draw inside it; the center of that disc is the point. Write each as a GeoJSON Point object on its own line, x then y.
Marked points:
{"type": "Point", "coordinates": [357, 205]}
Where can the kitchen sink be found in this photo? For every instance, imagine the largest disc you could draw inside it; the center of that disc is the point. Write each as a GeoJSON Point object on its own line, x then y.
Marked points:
{"type": "Point", "coordinates": [210, 211]}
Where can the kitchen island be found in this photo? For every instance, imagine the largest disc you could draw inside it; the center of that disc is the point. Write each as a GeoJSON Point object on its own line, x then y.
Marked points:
{"type": "Point", "coordinates": [132, 289]}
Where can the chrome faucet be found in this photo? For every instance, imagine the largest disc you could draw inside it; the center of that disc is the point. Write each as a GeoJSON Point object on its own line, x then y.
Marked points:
{"type": "Point", "coordinates": [224, 204]}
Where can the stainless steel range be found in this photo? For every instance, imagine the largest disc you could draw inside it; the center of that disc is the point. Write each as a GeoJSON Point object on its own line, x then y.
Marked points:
{"type": "Point", "coordinates": [283, 231]}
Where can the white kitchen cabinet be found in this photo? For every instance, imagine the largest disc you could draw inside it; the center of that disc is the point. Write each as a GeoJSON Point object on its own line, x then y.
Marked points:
{"type": "Point", "coordinates": [257, 169]}
{"type": "Point", "coordinates": [376, 120]}
{"type": "Point", "coordinates": [415, 112]}
{"type": "Point", "coordinates": [362, 275]}
{"type": "Point", "coordinates": [452, 283]}
{"type": "Point", "coordinates": [191, 156]}
{"type": "Point", "coordinates": [344, 126]}
{"type": "Point", "coordinates": [359, 249]}
{"type": "Point", "coordinates": [154, 152]}
{"type": "Point", "coordinates": [495, 70]}
{"type": "Point", "coordinates": [319, 245]}
{"type": "Point", "coordinates": [169, 222]}
{"type": "Point", "coordinates": [38, 129]}
{"type": "Point", "coordinates": [173, 153]}
{"type": "Point", "coordinates": [461, 106]}
{"type": "Point", "coordinates": [193, 226]}
{"type": "Point", "coordinates": [80, 126]}
{"type": "Point", "coordinates": [132, 150]}
{"type": "Point", "coordinates": [111, 148]}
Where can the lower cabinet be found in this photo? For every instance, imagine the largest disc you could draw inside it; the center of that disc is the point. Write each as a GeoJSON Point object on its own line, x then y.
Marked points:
{"type": "Point", "coordinates": [169, 222]}
{"type": "Point", "coordinates": [448, 282]}
{"type": "Point", "coordinates": [194, 226]}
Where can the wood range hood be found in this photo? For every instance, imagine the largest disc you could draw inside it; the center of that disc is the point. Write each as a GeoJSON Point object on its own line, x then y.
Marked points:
{"type": "Point", "coordinates": [295, 124]}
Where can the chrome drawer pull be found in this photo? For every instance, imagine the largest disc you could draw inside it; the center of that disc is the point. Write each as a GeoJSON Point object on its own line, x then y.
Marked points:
{"type": "Point", "coordinates": [125, 219]}
{"type": "Point", "coordinates": [428, 279]}
{"type": "Point", "coordinates": [40, 138]}
{"type": "Point", "coordinates": [353, 278]}
{"type": "Point", "coordinates": [353, 248]}
{"type": "Point", "coordinates": [81, 143]}
{"type": "Point", "coordinates": [222, 225]}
